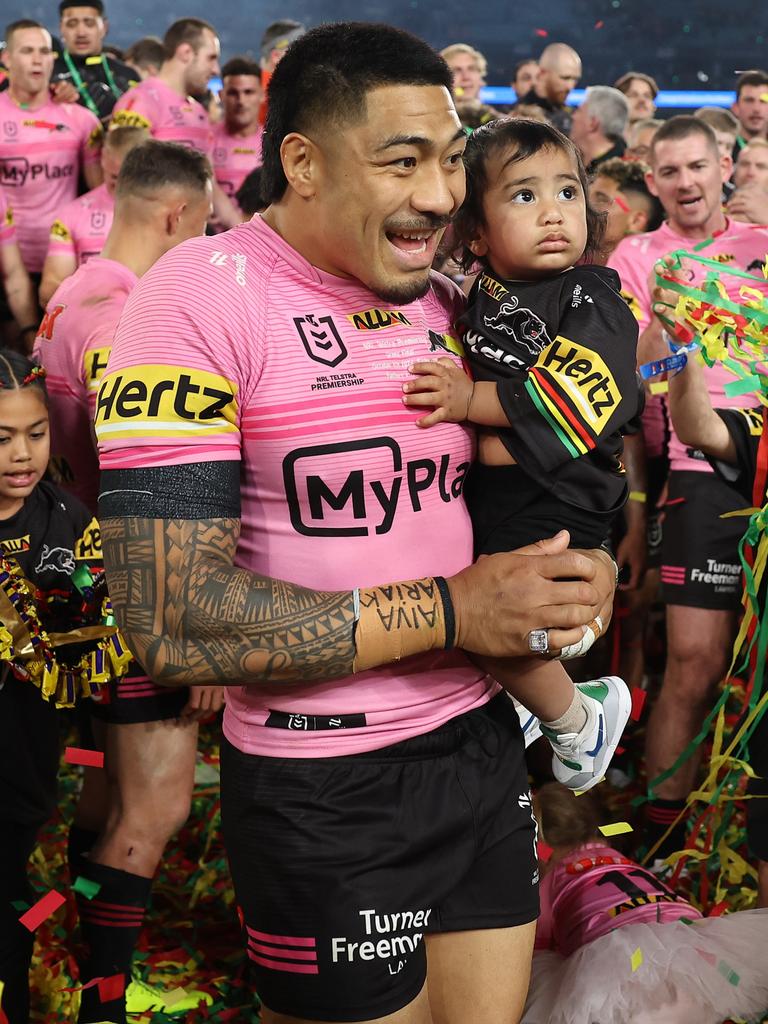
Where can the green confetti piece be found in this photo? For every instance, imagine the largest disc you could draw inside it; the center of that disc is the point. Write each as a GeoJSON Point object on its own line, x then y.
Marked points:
{"type": "Point", "coordinates": [82, 578]}
{"type": "Point", "coordinates": [20, 905]}
{"type": "Point", "coordinates": [729, 974]}
{"type": "Point", "coordinates": [743, 386]}
{"type": "Point", "coordinates": [86, 887]}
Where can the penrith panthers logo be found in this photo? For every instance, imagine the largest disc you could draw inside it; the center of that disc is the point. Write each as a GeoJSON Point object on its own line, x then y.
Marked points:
{"type": "Point", "coordinates": [522, 325]}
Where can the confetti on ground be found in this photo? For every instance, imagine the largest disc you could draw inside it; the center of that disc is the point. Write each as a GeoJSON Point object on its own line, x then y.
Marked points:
{"type": "Point", "coordinates": [638, 703]}
{"type": "Point", "coordinates": [616, 828]}
{"type": "Point", "coordinates": [88, 758]}
{"type": "Point", "coordinates": [111, 988]}
{"type": "Point", "coordinates": [171, 998]}
{"type": "Point", "coordinates": [728, 973]}
{"type": "Point", "coordinates": [86, 887]}
{"type": "Point", "coordinates": [41, 910]}
{"type": "Point", "coordinates": [637, 959]}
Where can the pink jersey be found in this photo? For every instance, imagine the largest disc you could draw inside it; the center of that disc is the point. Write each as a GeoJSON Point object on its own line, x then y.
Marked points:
{"type": "Point", "coordinates": [742, 246]}
{"type": "Point", "coordinates": [167, 116]}
{"type": "Point", "coordinates": [73, 344]}
{"type": "Point", "coordinates": [81, 228]}
{"type": "Point", "coordinates": [7, 224]}
{"type": "Point", "coordinates": [234, 157]}
{"type": "Point", "coordinates": [41, 155]}
{"type": "Point", "coordinates": [595, 889]}
{"type": "Point", "coordinates": [234, 347]}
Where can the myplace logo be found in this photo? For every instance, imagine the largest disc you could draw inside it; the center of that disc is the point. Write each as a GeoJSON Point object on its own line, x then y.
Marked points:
{"type": "Point", "coordinates": [356, 488]}
{"type": "Point", "coordinates": [13, 171]}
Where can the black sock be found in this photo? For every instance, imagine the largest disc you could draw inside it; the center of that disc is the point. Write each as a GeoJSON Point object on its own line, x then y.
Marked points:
{"type": "Point", "coordinates": [79, 842]}
{"type": "Point", "coordinates": [660, 815]}
{"type": "Point", "coordinates": [110, 925]}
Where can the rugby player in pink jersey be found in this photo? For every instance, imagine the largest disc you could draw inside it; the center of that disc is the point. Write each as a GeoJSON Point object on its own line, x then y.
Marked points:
{"type": "Point", "coordinates": [700, 568]}
{"type": "Point", "coordinates": [237, 139]}
{"type": "Point", "coordinates": [127, 815]}
{"type": "Point", "coordinates": [81, 228]}
{"type": "Point", "coordinates": [44, 146]}
{"type": "Point", "coordinates": [261, 480]}
{"type": "Point", "coordinates": [19, 293]}
{"type": "Point", "coordinates": [164, 103]}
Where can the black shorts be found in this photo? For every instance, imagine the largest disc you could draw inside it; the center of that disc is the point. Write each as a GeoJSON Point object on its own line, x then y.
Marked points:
{"type": "Point", "coordinates": [341, 865]}
{"type": "Point", "coordinates": [135, 698]}
{"type": "Point", "coordinates": [700, 565]}
{"type": "Point", "coordinates": [508, 510]}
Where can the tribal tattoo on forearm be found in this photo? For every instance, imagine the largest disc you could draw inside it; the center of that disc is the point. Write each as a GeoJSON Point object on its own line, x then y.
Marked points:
{"type": "Point", "coordinates": [192, 618]}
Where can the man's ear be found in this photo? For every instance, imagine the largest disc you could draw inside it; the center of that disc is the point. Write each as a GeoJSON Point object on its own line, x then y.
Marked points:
{"type": "Point", "coordinates": [301, 163]}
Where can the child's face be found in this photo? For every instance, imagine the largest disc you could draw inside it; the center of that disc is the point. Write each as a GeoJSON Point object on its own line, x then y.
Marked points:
{"type": "Point", "coordinates": [535, 215]}
{"type": "Point", "coordinates": [24, 446]}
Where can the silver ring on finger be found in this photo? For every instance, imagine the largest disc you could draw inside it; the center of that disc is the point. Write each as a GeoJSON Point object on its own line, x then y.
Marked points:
{"type": "Point", "coordinates": [538, 641]}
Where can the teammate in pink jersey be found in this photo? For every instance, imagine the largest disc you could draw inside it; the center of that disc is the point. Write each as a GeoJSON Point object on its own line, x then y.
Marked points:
{"type": "Point", "coordinates": [700, 569]}
{"type": "Point", "coordinates": [260, 478]}
{"type": "Point", "coordinates": [16, 282]}
{"type": "Point", "coordinates": [44, 146]}
{"type": "Point", "coordinates": [81, 228]}
{"type": "Point", "coordinates": [149, 732]}
{"type": "Point", "coordinates": [613, 944]}
{"type": "Point", "coordinates": [237, 139]}
{"type": "Point", "coordinates": [164, 103]}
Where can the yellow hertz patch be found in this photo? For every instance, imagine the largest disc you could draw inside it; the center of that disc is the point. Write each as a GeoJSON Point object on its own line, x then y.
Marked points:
{"type": "Point", "coordinates": [130, 119]}
{"type": "Point", "coordinates": [165, 401]}
{"type": "Point", "coordinates": [8, 217]}
{"type": "Point", "coordinates": [581, 375]}
{"type": "Point", "coordinates": [13, 545]}
{"type": "Point", "coordinates": [493, 288]}
{"type": "Point", "coordinates": [377, 319]}
{"type": "Point", "coordinates": [450, 343]}
{"type": "Point", "coordinates": [60, 231]}
{"type": "Point", "coordinates": [94, 364]}
{"type": "Point", "coordinates": [754, 418]}
{"type": "Point", "coordinates": [634, 305]}
{"type": "Point", "coordinates": [89, 545]}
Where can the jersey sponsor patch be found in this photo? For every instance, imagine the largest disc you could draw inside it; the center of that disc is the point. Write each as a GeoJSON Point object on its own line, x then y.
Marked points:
{"type": "Point", "coordinates": [574, 390]}
{"type": "Point", "coordinates": [378, 319]}
{"type": "Point", "coordinates": [492, 287]}
{"type": "Point", "coordinates": [130, 119]}
{"type": "Point", "coordinates": [446, 343]}
{"type": "Point", "coordinates": [60, 231]}
{"type": "Point", "coordinates": [634, 305]}
{"type": "Point", "coordinates": [165, 401]}
{"type": "Point", "coordinates": [89, 545]}
{"type": "Point", "coordinates": [94, 364]}
{"type": "Point", "coordinates": [754, 418]}
{"type": "Point", "coordinates": [14, 545]}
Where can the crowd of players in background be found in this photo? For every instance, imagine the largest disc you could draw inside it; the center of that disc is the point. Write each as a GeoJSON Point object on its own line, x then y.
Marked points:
{"type": "Point", "coordinates": [72, 108]}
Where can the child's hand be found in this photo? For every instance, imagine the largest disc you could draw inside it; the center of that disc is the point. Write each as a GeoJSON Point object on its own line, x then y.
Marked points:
{"type": "Point", "coordinates": [442, 384]}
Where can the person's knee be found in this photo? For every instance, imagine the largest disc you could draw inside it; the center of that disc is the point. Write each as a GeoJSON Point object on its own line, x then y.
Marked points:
{"type": "Point", "coordinates": [694, 667]}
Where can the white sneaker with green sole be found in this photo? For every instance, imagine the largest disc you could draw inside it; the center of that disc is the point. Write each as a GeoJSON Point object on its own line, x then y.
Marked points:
{"type": "Point", "coordinates": [581, 758]}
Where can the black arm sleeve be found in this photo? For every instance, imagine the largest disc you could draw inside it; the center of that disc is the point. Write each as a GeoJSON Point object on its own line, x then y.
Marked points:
{"type": "Point", "coordinates": [197, 490]}
{"type": "Point", "coordinates": [745, 427]}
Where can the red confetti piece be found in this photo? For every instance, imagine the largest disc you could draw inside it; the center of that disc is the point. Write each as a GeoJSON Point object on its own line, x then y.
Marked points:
{"type": "Point", "coordinates": [719, 909]}
{"type": "Point", "coordinates": [621, 750]}
{"type": "Point", "coordinates": [89, 758]}
{"type": "Point", "coordinates": [544, 851]}
{"type": "Point", "coordinates": [542, 32]}
{"type": "Point", "coordinates": [111, 988]}
{"type": "Point", "coordinates": [41, 910]}
{"type": "Point", "coordinates": [599, 24]}
{"type": "Point", "coordinates": [638, 702]}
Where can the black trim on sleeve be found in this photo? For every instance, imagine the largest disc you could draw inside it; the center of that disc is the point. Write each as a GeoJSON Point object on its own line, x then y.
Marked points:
{"type": "Point", "coordinates": [196, 490]}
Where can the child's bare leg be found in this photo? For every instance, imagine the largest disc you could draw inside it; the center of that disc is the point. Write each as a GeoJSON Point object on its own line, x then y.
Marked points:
{"type": "Point", "coordinates": [543, 687]}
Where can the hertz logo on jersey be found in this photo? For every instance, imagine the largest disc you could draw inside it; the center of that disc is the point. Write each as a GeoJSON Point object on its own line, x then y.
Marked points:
{"type": "Point", "coordinates": [574, 390]}
{"type": "Point", "coordinates": [94, 364]}
{"type": "Point", "coordinates": [130, 119]}
{"type": "Point", "coordinates": [60, 231]}
{"type": "Point", "coordinates": [165, 401]}
{"type": "Point", "coordinates": [377, 319]}
{"type": "Point", "coordinates": [89, 545]}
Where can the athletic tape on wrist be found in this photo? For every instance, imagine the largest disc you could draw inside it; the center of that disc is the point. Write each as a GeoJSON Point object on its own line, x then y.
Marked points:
{"type": "Point", "coordinates": [401, 619]}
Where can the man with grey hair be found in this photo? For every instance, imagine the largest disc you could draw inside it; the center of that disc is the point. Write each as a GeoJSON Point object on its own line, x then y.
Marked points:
{"type": "Point", "coordinates": [559, 72]}
{"type": "Point", "coordinates": [598, 125]}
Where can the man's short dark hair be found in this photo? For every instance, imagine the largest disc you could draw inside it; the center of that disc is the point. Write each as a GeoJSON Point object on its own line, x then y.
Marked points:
{"type": "Point", "coordinates": [17, 26]}
{"type": "Point", "coordinates": [681, 127]}
{"type": "Point", "coordinates": [755, 76]}
{"type": "Point", "coordinates": [154, 165]}
{"type": "Point", "coordinates": [276, 32]}
{"type": "Point", "coordinates": [241, 66]}
{"type": "Point", "coordinates": [629, 175]}
{"type": "Point", "coordinates": [325, 76]}
{"type": "Point", "coordinates": [96, 5]}
{"type": "Point", "coordinates": [146, 51]}
{"type": "Point", "coordinates": [249, 197]}
{"type": "Point", "coordinates": [185, 30]}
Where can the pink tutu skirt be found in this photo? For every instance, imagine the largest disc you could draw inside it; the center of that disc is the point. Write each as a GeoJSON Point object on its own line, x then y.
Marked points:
{"type": "Point", "coordinates": [702, 973]}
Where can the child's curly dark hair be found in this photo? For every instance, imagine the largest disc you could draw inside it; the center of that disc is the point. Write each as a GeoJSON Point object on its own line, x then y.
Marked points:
{"type": "Point", "coordinates": [524, 138]}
